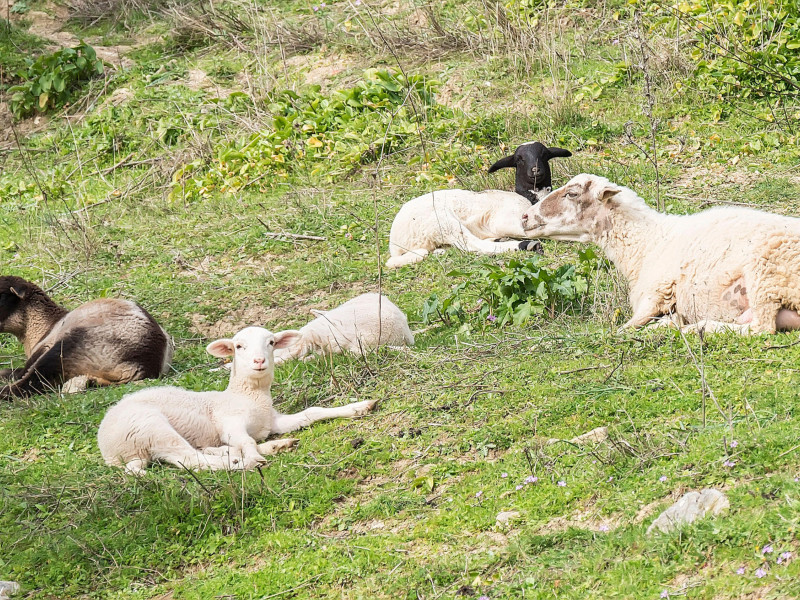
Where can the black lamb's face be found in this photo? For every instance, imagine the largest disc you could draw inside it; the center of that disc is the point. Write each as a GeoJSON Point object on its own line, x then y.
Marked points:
{"type": "Point", "coordinates": [532, 164]}
{"type": "Point", "coordinates": [533, 169]}
{"type": "Point", "coordinates": [12, 292]}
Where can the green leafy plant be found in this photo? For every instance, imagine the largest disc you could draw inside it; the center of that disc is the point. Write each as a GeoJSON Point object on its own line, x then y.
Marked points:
{"type": "Point", "coordinates": [515, 292]}
{"type": "Point", "coordinates": [330, 135]}
{"type": "Point", "coordinates": [51, 80]}
{"type": "Point", "coordinates": [742, 48]}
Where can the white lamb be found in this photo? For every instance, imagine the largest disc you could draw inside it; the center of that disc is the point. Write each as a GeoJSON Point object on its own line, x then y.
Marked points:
{"type": "Point", "coordinates": [724, 268]}
{"type": "Point", "coordinates": [211, 430]}
{"type": "Point", "coordinates": [361, 324]}
{"type": "Point", "coordinates": [469, 221]}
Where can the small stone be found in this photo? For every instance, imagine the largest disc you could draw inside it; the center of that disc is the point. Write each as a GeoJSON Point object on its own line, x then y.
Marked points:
{"type": "Point", "coordinates": [595, 436]}
{"type": "Point", "coordinates": [691, 506]}
{"type": "Point", "coordinates": [507, 516]}
{"type": "Point", "coordinates": [8, 588]}
{"type": "Point", "coordinates": [357, 442]}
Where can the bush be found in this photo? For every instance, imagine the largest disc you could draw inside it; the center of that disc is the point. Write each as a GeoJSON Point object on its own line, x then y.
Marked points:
{"type": "Point", "coordinates": [51, 80]}
{"type": "Point", "coordinates": [515, 292]}
{"type": "Point", "coordinates": [331, 135]}
{"type": "Point", "coordinates": [743, 48]}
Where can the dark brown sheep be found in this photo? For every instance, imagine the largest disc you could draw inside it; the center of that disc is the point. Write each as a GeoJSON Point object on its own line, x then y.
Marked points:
{"type": "Point", "coordinates": [103, 342]}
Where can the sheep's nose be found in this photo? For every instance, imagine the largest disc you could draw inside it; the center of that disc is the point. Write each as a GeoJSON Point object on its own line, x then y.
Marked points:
{"type": "Point", "coordinates": [259, 361]}
{"type": "Point", "coordinates": [524, 218]}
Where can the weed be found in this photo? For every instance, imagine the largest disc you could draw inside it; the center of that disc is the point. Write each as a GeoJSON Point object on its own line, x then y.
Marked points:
{"type": "Point", "coordinates": [51, 80]}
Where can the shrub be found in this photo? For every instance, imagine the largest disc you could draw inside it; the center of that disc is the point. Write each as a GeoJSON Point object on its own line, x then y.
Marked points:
{"type": "Point", "coordinates": [51, 80]}
{"type": "Point", "coordinates": [743, 48]}
{"type": "Point", "coordinates": [515, 292]}
{"type": "Point", "coordinates": [331, 135]}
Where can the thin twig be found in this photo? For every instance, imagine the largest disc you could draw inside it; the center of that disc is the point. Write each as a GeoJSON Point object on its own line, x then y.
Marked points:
{"type": "Point", "coordinates": [583, 369]}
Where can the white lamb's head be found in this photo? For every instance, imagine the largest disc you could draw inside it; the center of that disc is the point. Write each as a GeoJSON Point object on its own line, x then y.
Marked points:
{"type": "Point", "coordinates": [252, 350]}
{"type": "Point", "coordinates": [577, 212]}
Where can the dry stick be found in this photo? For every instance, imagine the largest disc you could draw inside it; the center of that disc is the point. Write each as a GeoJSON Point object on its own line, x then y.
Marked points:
{"type": "Point", "coordinates": [583, 369]}
{"type": "Point", "coordinates": [706, 389]}
{"type": "Point", "coordinates": [782, 346]}
{"type": "Point", "coordinates": [619, 364]}
{"type": "Point", "coordinates": [294, 236]}
{"type": "Point", "coordinates": [649, 103]}
{"type": "Point", "coordinates": [305, 584]}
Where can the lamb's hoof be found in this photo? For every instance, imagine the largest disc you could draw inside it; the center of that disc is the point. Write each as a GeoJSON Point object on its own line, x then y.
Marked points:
{"type": "Point", "coordinates": [136, 467]}
{"type": "Point", "coordinates": [275, 446]}
{"type": "Point", "coordinates": [286, 444]}
{"type": "Point", "coordinates": [532, 246]}
{"type": "Point", "coordinates": [362, 408]}
{"type": "Point", "coordinates": [250, 463]}
{"type": "Point", "coordinates": [75, 385]}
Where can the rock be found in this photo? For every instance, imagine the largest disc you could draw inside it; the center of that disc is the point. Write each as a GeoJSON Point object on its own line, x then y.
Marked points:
{"type": "Point", "coordinates": [691, 506]}
{"type": "Point", "coordinates": [8, 588]}
{"type": "Point", "coordinates": [506, 517]}
{"type": "Point", "coordinates": [595, 436]}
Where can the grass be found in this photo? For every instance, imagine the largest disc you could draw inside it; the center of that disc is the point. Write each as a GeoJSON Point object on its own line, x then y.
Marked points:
{"type": "Point", "coordinates": [402, 503]}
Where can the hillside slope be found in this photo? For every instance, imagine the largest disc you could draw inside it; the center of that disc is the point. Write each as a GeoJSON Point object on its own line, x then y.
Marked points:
{"type": "Point", "coordinates": [215, 127]}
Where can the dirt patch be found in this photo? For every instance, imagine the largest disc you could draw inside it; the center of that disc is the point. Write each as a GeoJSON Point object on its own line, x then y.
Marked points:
{"type": "Point", "coordinates": [198, 80]}
{"type": "Point", "coordinates": [117, 98]}
{"type": "Point", "coordinates": [236, 320]}
{"type": "Point", "coordinates": [321, 70]}
{"type": "Point", "coordinates": [23, 128]}
{"type": "Point", "coordinates": [582, 519]}
{"type": "Point", "coordinates": [31, 455]}
{"type": "Point", "coordinates": [700, 176]}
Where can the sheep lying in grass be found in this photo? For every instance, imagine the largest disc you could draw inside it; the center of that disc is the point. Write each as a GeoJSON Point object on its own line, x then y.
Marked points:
{"type": "Point", "coordinates": [361, 324]}
{"type": "Point", "coordinates": [532, 163]}
{"type": "Point", "coordinates": [104, 341]}
{"type": "Point", "coordinates": [469, 221]}
{"type": "Point", "coordinates": [721, 269]}
{"type": "Point", "coordinates": [474, 221]}
{"type": "Point", "coordinates": [211, 430]}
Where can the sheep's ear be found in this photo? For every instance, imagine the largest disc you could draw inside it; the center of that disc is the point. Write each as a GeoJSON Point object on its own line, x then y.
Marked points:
{"type": "Point", "coordinates": [17, 293]}
{"type": "Point", "coordinates": [608, 192]}
{"type": "Point", "coordinates": [284, 339]}
{"type": "Point", "coordinates": [559, 153]}
{"type": "Point", "coordinates": [221, 348]}
{"type": "Point", "coordinates": [503, 163]}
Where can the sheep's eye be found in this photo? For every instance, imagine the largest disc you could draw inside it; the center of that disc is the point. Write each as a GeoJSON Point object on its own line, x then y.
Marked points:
{"type": "Point", "coordinates": [272, 342]}
{"type": "Point", "coordinates": [572, 194]}
{"type": "Point", "coordinates": [239, 346]}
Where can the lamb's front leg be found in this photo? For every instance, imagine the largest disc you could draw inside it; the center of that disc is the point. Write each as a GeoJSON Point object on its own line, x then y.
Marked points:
{"type": "Point", "coordinates": [286, 423]}
{"type": "Point", "coordinates": [234, 435]}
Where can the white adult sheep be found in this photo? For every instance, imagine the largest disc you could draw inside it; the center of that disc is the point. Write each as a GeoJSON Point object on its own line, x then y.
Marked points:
{"type": "Point", "coordinates": [211, 430]}
{"type": "Point", "coordinates": [469, 221]}
{"type": "Point", "coordinates": [361, 324]}
{"type": "Point", "coordinates": [724, 268]}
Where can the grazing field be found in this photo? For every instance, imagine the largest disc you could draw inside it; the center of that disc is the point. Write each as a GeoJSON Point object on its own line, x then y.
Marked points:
{"type": "Point", "coordinates": [239, 162]}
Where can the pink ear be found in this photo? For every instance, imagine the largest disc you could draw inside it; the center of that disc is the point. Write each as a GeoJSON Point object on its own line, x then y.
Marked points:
{"type": "Point", "coordinates": [221, 348]}
{"type": "Point", "coordinates": [284, 339]}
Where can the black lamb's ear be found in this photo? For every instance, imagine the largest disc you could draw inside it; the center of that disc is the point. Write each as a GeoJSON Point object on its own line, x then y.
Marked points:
{"type": "Point", "coordinates": [559, 153]}
{"type": "Point", "coordinates": [18, 294]}
{"type": "Point", "coordinates": [503, 163]}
